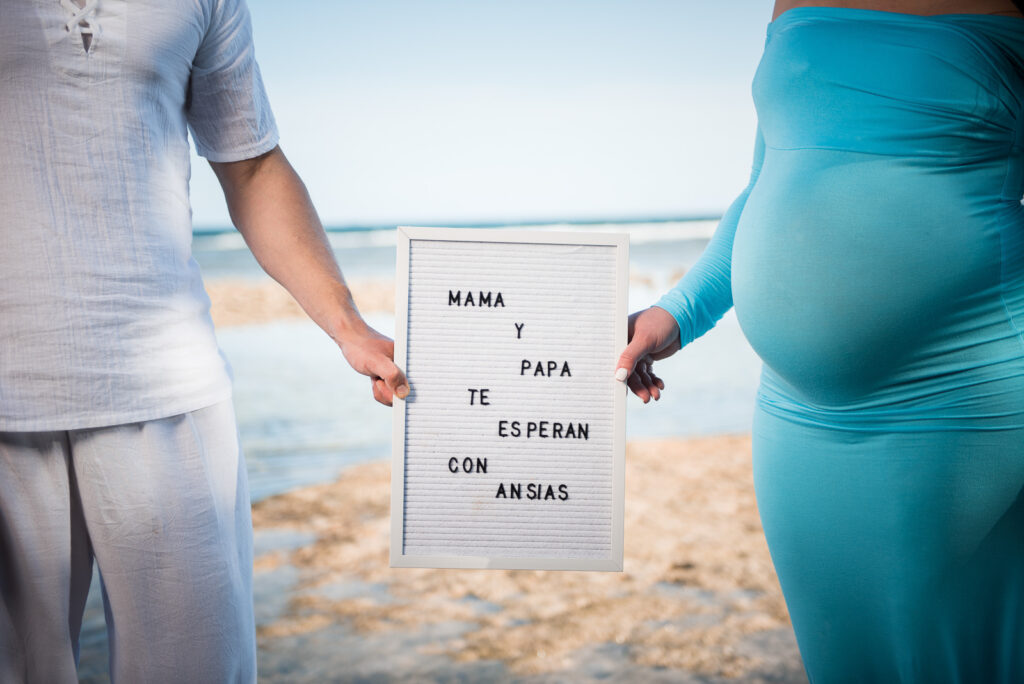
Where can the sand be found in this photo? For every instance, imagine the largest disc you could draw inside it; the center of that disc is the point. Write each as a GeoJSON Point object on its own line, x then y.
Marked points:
{"type": "Point", "coordinates": [236, 301]}
{"type": "Point", "coordinates": [698, 579]}
{"type": "Point", "coordinates": [244, 302]}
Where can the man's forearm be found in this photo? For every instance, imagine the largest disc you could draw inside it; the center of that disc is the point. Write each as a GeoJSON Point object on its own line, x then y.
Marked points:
{"type": "Point", "coordinates": [272, 210]}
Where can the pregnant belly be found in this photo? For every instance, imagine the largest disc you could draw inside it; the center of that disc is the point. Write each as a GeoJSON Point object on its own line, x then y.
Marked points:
{"type": "Point", "coordinates": [845, 265]}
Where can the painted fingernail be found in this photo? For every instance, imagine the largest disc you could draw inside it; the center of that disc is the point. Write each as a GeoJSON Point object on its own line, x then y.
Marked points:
{"type": "Point", "coordinates": [621, 374]}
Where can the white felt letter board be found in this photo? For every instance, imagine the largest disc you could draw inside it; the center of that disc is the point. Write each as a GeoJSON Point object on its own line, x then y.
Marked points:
{"type": "Point", "coordinates": [509, 451]}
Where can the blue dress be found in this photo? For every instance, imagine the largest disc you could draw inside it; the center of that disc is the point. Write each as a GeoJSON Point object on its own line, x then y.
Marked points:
{"type": "Point", "coordinates": [876, 263]}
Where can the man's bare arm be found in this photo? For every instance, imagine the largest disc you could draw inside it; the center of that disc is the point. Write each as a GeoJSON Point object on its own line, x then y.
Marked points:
{"type": "Point", "coordinates": [272, 210]}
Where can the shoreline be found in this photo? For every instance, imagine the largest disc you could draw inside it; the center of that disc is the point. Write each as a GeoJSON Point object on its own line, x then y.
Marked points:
{"type": "Point", "coordinates": [246, 301]}
{"type": "Point", "coordinates": [698, 595]}
{"type": "Point", "coordinates": [243, 301]}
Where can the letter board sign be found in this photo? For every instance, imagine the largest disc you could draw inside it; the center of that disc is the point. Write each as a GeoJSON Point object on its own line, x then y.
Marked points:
{"type": "Point", "coordinates": [509, 450]}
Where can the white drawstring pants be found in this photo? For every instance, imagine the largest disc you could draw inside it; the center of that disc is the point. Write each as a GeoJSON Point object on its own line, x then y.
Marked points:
{"type": "Point", "coordinates": [163, 507]}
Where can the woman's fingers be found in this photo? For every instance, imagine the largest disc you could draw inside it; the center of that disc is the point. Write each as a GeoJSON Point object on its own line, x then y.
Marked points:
{"type": "Point", "coordinates": [638, 388]}
{"type": "Point", "coordinates": [631, 355]}
{"type": "Point", "coordinates": [634, 368]}
{"type": "Point", "coordinates": [653, 334]}
{"type": "Point", "coordinates": [655, 380]}
{"type": "Point", "coordinates": [643, 369]}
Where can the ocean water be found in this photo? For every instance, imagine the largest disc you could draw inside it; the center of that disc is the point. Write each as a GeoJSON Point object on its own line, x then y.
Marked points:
{"type": "Point", "coordinates": [304, 415]}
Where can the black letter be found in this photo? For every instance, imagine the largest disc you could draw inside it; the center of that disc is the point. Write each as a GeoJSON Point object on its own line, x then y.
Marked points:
{"type": "Point", "coordinates": [485, 300]}
{"type": "Point", "coordinates": [455, 298]}
{"type": "Point", "coordinates": [501, 491]}
{"type": "Point", "coordinates": [483, 397]}
{"type": "Point", "coordinates": [525, 365]}
{"type": "Point", "coordinates": [565, 369]}
{"type": "Point", "coordinates": [469, 298]}
{"type": "Point", "coordinates": [519, 329]}
{"type": "Point", "coordinates": [481, 465]}
{"type": "Point", "coordinates": [584, 429]}
{"type": "Point", "coordinates": [515, 428]}
{"type": "Point", "coordinates": [515, 490]}
{"type": "Point", "coordinates": [564, 492]}
{"type": "Point", "coordinates": [472, 393]}
{"type": "Point", "coordinates": [453, 461]}
{"type": "Point", "coordinates": [501, 428]}
{"type": "Point", "coordinates": [499, 301]}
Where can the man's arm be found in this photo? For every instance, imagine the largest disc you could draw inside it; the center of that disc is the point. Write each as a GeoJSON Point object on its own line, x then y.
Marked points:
{"type": "Point", "coordinates": [270, 207]}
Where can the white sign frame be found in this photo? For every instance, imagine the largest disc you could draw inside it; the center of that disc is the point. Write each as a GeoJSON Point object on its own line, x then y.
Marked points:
{"type": "Point", "coordinates": [399, 558]}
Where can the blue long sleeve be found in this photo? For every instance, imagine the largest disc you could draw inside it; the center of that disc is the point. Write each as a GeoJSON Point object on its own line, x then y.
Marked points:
{"type": "Point", "coordinates": [704, 294]}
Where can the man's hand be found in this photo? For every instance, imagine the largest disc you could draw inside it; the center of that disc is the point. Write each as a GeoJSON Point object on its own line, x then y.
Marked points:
{"type": "Point", "coordinates": [371, 354]}
{"type": "Point", "coordinates": [653, 335]}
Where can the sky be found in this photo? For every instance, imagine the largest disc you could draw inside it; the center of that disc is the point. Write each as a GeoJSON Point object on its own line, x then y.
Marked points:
{"type": "Point", "coordinates": [437, 112]}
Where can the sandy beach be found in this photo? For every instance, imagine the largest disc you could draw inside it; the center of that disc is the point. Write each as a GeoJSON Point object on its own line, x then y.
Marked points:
{"type": "Point", "coordinates": [245, 301]}
{"type": "Point", "coordinates": [698, 600]}
{"type": "Point", "coordinates": [698, 597]}
{"type": "Point", "coordinates": [237, 301]}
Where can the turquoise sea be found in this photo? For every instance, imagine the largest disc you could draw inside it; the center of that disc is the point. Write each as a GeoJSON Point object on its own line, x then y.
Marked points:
{"type": "Point", "coordinates": [304, 416]}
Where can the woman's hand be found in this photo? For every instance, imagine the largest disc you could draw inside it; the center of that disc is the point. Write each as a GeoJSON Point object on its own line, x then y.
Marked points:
{"type": "Point", "coordinates": [653, 335]}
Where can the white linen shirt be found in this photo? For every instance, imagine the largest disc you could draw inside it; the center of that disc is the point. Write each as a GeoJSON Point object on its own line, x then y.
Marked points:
{"type": "Point", "coordinates": [103, 316]}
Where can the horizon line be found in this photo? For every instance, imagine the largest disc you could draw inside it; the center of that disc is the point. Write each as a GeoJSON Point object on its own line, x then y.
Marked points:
{"type": "Point", "coordinates": [366, 227]}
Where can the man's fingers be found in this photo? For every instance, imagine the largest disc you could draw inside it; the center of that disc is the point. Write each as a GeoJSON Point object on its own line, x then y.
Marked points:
{"type": "Point", "coordinates": [393, 377]}
{"type": "Point", "coordinates": [381, 392]}
{"type": "Point", "coordinates": [397, 383]}
{"type": "Point", "coordinates": [373, 355]}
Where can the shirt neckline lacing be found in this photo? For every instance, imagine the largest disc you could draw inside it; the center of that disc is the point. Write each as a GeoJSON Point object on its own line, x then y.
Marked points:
{"type": "Point", "coordinates": [83, 22]}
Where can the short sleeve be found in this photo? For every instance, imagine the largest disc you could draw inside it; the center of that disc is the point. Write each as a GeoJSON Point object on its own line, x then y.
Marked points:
{"type": "Point", "coordinates": [227, 107]}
